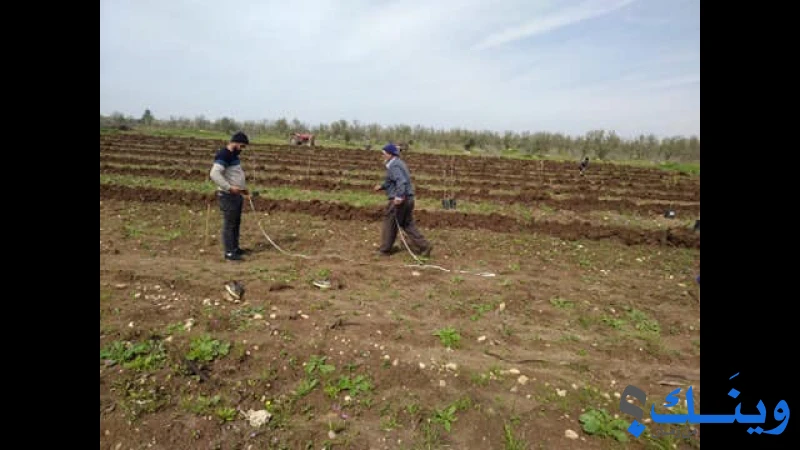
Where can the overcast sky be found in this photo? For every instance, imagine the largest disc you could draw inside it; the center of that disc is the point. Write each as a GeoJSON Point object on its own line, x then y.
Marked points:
{"type": "Point", "coordinates": [562, 65]}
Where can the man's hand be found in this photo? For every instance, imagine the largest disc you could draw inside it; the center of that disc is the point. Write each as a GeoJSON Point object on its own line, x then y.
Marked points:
{"type": "Point", "coordinates": [377, 188]}
{"type": "Point", "coordinates": [236, 190]}
{"type": "Point", "coordinates": [398, 200]}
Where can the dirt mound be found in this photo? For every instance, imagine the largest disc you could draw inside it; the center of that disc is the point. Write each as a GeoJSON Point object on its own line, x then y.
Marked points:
{"type": "Point", "coordinates": [429, 219]}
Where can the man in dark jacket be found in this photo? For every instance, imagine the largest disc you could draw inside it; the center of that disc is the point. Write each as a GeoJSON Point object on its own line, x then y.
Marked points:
{"type": "Point", "coordinates": [228, 175]}
{"type": "Point", "coordinates": [584, 165]}
{"type": "Point", "coordinates": [400, 209]}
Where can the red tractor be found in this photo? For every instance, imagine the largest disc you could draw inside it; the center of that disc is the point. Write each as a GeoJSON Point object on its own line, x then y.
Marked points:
{"type": "Point", "coordinates": [301, 139]}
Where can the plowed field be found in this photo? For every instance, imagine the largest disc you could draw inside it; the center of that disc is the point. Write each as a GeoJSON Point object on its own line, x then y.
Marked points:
{"type": "Point", "coordinates": [545, 295]}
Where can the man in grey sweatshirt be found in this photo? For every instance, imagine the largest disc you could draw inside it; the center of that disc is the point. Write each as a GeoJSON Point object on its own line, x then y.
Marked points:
{"type": "Point", "coordinates": [228, 175]}
{"type": "Point", "coordinates": [400, 208]}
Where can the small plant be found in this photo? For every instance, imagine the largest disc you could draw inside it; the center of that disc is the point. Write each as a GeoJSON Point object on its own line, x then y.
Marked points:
{"type": "Point", "coordinates": [511, 441]}
{"type": "Point", "coordinates": [226, 414]}
{"type": "Point", "coordinates": [614, 323]}
{"type": "Point", "coordinates": [560, 303]}
{"type": "Point", "coordinates": [201, 405]}
{"type": "Point", "coordinates": [323, 274]}
{"type": "Point", "coordinates": [449, 337]}
{"type": "Point", "coordinates": [480, 379]}
{"type": "Point", "coordinates": [206, 349]}
{"type": "Point", "coordinates": [140, 400]}
{"type": "Point", "coordinates": [480, 310]}
{"type": "Point", "coordinates": [355, 385]}
{"type": "Point", "coordinates": [139, 356]}
{"type": "Point", "coordinates": [306, 386]}
{"type": "Point", "coordinates": [445, 417]}
{"type": "Point", "coordinates": [175, 328]}
{"type": "Point", "coordinates": [240, 318]}
{"type": "Point", "coordinates": [389, 423]}
{"type": "Point", "coordinates": [463, 403]}
{"type": "Point", "coordinates": [599, 422]}
{"type": "Point", "coordinates": [642, 322]}
{"type": "Point", "coordinates": [317, 363]}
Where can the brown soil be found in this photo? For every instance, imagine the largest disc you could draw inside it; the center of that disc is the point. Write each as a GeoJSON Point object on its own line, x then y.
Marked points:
{"type": "Point", "coordinates": [517, 174]}
{"type": "Point", "coordinates": [581, 204]}
{"type": "Point", "coordinates": [549, 185]}
{"type": "Point", "coordinates": [429, 219]}
{"type": "Point", "coordinates": [578, 309]}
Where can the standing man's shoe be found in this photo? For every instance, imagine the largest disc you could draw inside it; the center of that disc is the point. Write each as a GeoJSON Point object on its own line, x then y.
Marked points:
{"type": "Point", "coordinates": [241, 251]}
{"type": "Point", "coordinates": [233, 256]}
{"type": "Point", "coordinates": [427, 252]}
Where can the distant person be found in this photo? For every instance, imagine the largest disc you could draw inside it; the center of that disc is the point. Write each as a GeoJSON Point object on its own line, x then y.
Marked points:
{"type": "Point", "coordinates": [400, 209]}
{"type": "Point", "coordinates": [584, 165]}
{"type": "Point", "coordinates": [228, 175]}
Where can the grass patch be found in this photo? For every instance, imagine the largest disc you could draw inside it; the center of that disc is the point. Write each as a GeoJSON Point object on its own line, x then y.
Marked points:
{"type": "Point", "coordinates": [511, 442]}
{"type": "Point", "coordinates": [560, 303]}
{"type": "Point", "coordinates": [355, 386]}
{"type": "Point", "coordinates": [599, 422]}
{"type": "Point", "coordinates": [206, 349]}
{"type": "Point", "coordinates": [449, 337]}
{"type": "Point", "coordinates": [642, 322]}
{"type": "Point", "coordinates": [139, 356]}
{"type": "Point", "coordinates": [687, 168]}
{"type": "Point", "coordinates": [200, 405]}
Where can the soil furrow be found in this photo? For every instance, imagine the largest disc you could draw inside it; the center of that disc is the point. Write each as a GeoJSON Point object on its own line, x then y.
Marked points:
{"type": "Point", "coordinates": [427, 219]}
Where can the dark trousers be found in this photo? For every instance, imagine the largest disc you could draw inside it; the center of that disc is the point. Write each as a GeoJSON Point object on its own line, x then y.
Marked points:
{"type": "Point", "coordinates": [404, 214]}
{"type": "Point", "coordinates": [231, 207]}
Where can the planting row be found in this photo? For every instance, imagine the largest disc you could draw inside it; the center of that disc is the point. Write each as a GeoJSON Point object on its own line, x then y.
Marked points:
{"type": "Point", "coordinates": [482, 163]}
{"type": "Point", "coordinates": [594, 188]}
{"type": "Point", "coordinates": [462, 167]}
{"type": "Point", "coordinates": [681, 237]}
{"type": "Point", "coordinates": [581, 204]}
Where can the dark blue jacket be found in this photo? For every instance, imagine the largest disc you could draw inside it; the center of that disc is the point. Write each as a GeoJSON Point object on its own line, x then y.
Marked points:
{"type": "Point", "coordinates": [398, 180]}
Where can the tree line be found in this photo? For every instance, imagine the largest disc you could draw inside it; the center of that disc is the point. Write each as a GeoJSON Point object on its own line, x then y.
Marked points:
{"type": "Point", "coordinates": [599, 144]}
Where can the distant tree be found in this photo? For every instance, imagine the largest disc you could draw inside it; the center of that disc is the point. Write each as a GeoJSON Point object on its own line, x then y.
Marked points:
{"type": "Point", "coordinates": [694, 148]}
{"type": "Point", "coordinates": [282, 126]}
{"type": "Point", "coordinates": [610, 145]}
{"type": "Point", "coordinates": [600, 143]}
{"type": "Point", "coordinates": [226, 125]}
{"type": "Point", "coordinates": [298, 127]}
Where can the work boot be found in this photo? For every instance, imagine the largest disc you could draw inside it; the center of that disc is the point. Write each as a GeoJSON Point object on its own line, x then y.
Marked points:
{"type": "Point", "coordinates": [233, 256]}
{"type": "Point", "coordinates": [427, 252]}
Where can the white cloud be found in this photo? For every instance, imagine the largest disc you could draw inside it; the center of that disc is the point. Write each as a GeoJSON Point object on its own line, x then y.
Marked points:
{"type": "Point", "coordinates": [403, 61]}
{"type": "Point", "coordinates": [552, 21]}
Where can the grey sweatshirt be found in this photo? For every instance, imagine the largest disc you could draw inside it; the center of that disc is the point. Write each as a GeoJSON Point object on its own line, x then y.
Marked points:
{"type": "Point", "coordinates": [227, 170]}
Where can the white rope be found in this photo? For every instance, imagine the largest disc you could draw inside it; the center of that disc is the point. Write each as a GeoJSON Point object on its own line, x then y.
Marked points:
{"type": "Point", "coordinates": [420, 264]}
{"type": "Point", "coordinates": [430, 266]}
{"type": "Point", "coordinates": [282, 250]}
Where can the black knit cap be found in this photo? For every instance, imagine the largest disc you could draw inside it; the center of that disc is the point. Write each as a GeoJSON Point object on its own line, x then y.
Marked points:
{"type": "Point", "coordinates": [240, 138]}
